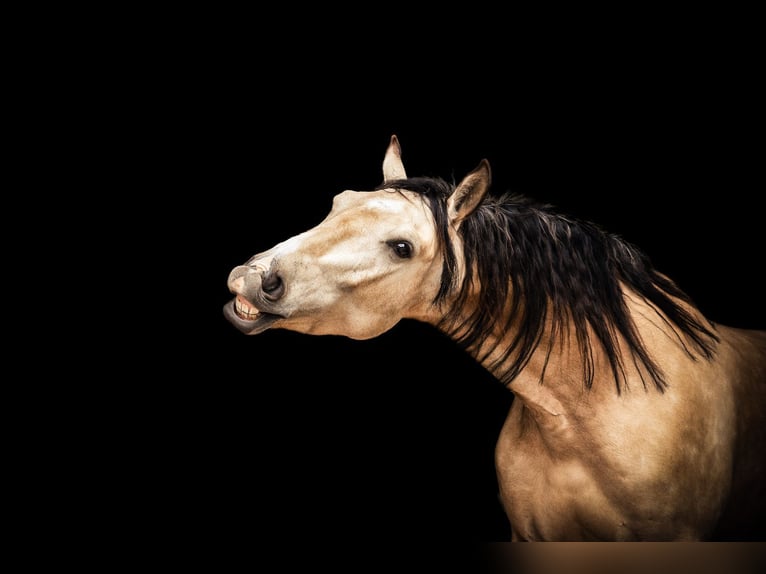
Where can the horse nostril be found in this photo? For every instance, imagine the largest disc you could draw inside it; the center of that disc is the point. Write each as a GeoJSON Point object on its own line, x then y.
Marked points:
{"type": "Point", "coordinates": [272, 286]}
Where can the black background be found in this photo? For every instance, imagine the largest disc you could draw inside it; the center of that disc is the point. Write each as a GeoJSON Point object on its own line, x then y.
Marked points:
{"type": "Point", "coordinates": [238, 143]}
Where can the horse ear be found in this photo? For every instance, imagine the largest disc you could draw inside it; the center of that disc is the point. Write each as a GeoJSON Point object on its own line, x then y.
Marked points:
{"type": "Point", "coordinates": [469, 193]}
{"type": "Point", "coordinates": [393, 168]}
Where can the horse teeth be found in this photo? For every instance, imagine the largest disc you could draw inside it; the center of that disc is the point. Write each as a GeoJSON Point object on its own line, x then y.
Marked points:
{"type": "Point", "coordinates": [244, 309]}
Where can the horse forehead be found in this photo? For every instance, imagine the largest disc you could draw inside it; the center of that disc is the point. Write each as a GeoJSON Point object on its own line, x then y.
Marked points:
{"type": "Point", "coordinates": [382, 204]}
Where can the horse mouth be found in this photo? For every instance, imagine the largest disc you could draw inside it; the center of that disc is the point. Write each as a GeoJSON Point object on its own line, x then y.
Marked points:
{"type": "Point", "coordinates": [247, 317]}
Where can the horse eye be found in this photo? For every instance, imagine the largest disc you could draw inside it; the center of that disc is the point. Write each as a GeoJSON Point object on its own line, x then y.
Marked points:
{"type": "Point", "coordinates": [402, 249]}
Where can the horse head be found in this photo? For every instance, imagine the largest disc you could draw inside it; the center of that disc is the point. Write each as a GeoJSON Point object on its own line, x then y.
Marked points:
{"type": "Point", "coordinates": [376, 258]}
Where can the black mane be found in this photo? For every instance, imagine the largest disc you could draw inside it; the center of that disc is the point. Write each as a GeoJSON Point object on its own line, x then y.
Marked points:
{"type": "Point", "coordinates": [560, 268]}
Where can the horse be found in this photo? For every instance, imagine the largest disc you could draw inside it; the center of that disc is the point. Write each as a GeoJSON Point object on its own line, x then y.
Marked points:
{"type": "Point", "coordinates": [634, 417]}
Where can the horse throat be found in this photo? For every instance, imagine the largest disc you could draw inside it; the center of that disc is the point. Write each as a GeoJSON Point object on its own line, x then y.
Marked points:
{"type": "Point", "coordinates": [551, 379]}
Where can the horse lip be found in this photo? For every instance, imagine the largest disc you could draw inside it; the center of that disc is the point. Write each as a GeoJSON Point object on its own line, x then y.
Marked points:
{"type": "Point", "coordinates": [263, 321]}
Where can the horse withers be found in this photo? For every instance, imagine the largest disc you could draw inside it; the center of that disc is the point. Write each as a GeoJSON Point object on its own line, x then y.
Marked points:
{"type": "Point", "coordinates": [634, 416]}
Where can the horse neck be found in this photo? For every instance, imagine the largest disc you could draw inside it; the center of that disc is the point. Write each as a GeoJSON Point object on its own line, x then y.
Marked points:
{"type": "Point", "coordinates": [552, 382]}
{"type": "Point", "coordinates": [553, 402]}
{"type": "Point", "coordinates": [553, 376]}
{"type": "Point", "coordinates": [562, 367]}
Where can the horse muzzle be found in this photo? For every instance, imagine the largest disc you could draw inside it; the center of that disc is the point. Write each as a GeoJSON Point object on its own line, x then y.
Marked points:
{"type": "Point", "coordinates": [257, 292]}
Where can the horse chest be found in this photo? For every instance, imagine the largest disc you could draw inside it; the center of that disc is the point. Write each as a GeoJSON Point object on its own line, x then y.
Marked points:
{"type": "Point", "coordinates": [552, 500]}
{"type": "Point", "coordinates": [555, 492]}
{"type": "Point", "coordinates": [557, 485]}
